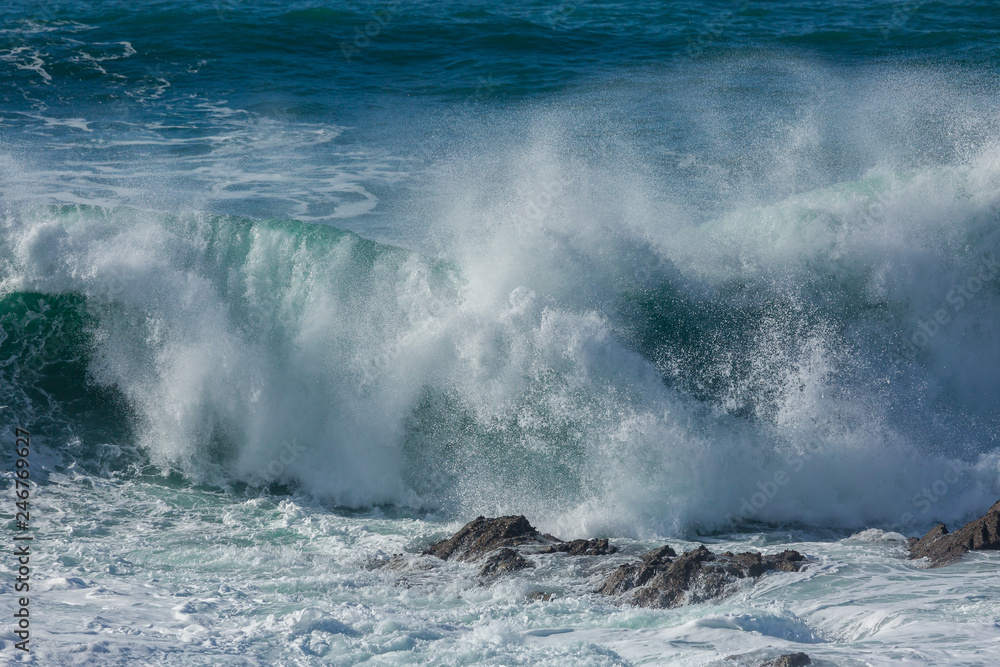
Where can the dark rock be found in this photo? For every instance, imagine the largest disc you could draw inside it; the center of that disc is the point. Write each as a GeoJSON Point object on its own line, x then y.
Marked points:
{"type": "Point", "coordinates": [582, 548]}
{"type": "Point", "coordinates": [932, 535]}
{"type": "Point", "coordinates": [658, 554]}
{"type": "Point", "coordinates": [483, 535]}
{"type": "Point", "coordinates": [503, 561]}
{"type": "Point", "coordinates": [789, 660]}
{"type": "Point", "coordinates": [944, 548]}
{"type": "Point", "coordinates": [662, 579]}
{"type": "Point", "coordinates": [633, 575]}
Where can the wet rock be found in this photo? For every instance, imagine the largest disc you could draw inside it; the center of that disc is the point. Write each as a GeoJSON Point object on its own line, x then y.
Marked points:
{"type": "Point", "coordinates": [789, 660]}
{"type": "Point", "coordinates": [932, 535]}
{"type": "Point", "coordinates": [944, 548]}
{"type": "Point", "coordinates": [662, 579]}
{"type": "Point", "coordinates": [397, 562]}
{"type": "Point", "coordinates": [582, 548]}
{"type": "Point", "coordinates": [503, 561]}
{"type": "Point", "coordinates": [541, 595]}
{"type": "Point", "coordinates": [633, 575]}
{"type": "Point", "coordinates": [481, 536]}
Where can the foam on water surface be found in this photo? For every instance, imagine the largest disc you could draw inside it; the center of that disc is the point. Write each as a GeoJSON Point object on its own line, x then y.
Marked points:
{"type": "Point", "coordinates": [207, 578]}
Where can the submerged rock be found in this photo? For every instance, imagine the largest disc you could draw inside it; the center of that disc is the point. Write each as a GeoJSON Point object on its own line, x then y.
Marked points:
{"type": "Point", "coordinates": [582, 548]}
{"type": "Point", "coordinates": [541, 595]}
{"type": "Point", "coordinates": [503, 561]}
{"type": "Point", "coordinates": [662, 579]}
{"type": "Point", "coordinates": [789, 660]}
{"type": "Point", "coordinates": [944, 548]}
{"type": "Point", "coordinates": [481, 536]}
{"type": "Point", "coordinates": [397, 562]}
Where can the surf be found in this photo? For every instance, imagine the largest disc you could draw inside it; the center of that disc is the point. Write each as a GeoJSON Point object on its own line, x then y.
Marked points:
{"type": "Point", "coordinates": [614, 378]}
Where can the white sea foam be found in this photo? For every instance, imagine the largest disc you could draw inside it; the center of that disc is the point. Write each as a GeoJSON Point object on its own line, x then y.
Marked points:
{"type": "Point", "coordinates": [257, 588]}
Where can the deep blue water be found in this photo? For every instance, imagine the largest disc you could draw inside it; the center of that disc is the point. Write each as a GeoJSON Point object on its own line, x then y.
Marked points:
{"type": "Point", "coordinates": [716, 81]}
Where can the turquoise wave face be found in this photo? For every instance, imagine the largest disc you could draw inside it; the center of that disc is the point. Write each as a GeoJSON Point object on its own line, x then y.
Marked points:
{"type": "Point", "coordinates": [46, 351]}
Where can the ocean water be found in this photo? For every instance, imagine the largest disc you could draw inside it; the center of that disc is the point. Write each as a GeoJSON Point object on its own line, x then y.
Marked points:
{"type": "Point", "coordinates": [289, 287]}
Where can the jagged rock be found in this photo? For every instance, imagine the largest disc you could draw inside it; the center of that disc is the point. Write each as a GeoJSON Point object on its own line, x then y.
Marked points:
{"type": "Point", "coordinates": [932, 534]}
{"type": "Point", "coordinates": [482, 535]}
{"type": "Point", "coordinates": [662, 579]}
{"type": "Point", "coordinates": [633, 575]}
{"type": "Point", "coordinates": [944, 548]}
{"type": "Point", "coordinates": [503, 561]}
{"type": "Point", "coordinates": [789, 660]}
{"type": "Point", "coordinates": [582, 548]}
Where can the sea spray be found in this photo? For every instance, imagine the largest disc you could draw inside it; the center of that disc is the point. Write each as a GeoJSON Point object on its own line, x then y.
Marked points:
{"type": "Point", "coordinates": [607, 403]}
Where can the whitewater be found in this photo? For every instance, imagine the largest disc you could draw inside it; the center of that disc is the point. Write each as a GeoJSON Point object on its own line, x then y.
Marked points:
{"type": "Point", "coordinates": [270, 326]}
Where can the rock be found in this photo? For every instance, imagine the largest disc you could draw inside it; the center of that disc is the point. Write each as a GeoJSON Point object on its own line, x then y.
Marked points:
{"type": "Point", "coordinates": [482, 535]}
{"type": "Point", "coordinates": [633, 575]}
{"type": "Point", "coordinates": [944, 548]}
{"type": "Point", "coordinates": [920, 544]}
{"type": "Point", "coordinates": [541, 595]}
{"type": "Point", "coordinates": [503, 561]}
{"type": "Point", "coordinates": [661, 579]}
{"type": "Point", "coordinates": [397, 562]}
{"type": "Point", "coordinates": [582, 548]}
{"type": "Point", "coordinates": [789, 660]}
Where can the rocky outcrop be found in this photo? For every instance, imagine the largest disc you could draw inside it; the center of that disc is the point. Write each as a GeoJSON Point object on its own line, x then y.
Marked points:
{"type": "Point", "coordinates": [943, 548]}
{"type": "Point", "coordinates": [503, 561]}
{"type": "Point", "coordinates": [481, 536]}
{"type": "Point", "coordinates": [789, 660]}
{"type": "Point", "coordinates": [582, 548]}
{"type": "Point", "coordinates": [920, 546]}
{"type": "Point", "coordinates": [662, 579]}
{"type": "Point", "coordinates": [630, 576]}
